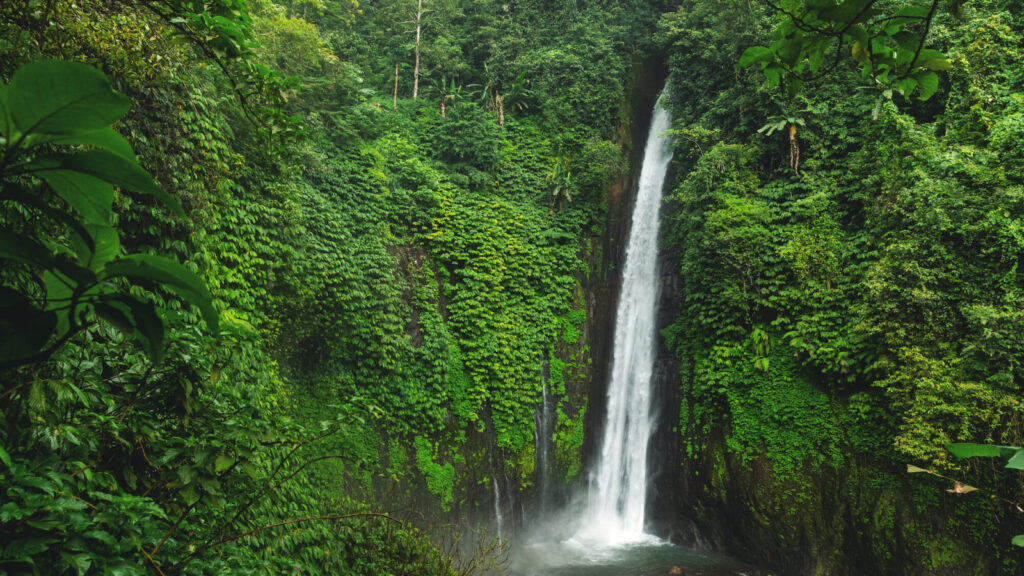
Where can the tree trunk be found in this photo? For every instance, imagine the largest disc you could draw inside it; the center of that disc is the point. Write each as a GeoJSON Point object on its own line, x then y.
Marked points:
{"type": "Point", "coordinates": [794, 150]}
{"type": "Point", "coordinates": [501, 109]}
{"type": "Point", "coordinates": [416, 71]}
{"type": "Point", "coordinates": [395, 105]}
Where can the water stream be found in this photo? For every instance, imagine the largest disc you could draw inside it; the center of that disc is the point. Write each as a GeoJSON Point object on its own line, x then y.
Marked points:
{"type": "Point", "coordinates": [499, 517]}
{"type": "Point", "coordinates": [606, 536]}
{"type": "Point", "coordinates": [544, 426]}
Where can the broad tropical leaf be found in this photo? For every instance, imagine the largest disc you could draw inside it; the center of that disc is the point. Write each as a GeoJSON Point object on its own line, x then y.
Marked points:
{"type": "Point", "coordinates": [110, 167]}
{"type": "Point", "coordinates": [969, 450]}
{"type": "Point", "coordinates": [57, 97]}
{"type": "Point", "coordinates": [105, 138]}
{"type": "Point", "coordinates": [90, 196]}
{"type": "Point", "coordinates": [170, 274]}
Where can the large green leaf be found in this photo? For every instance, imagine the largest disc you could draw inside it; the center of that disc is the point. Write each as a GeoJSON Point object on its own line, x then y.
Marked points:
{"type": "Point", "coordinates": [92, 197]}
{"type": "Point", "coordinates": [4, 115]}
{"type": "Point", "coordinates": [970, 450]}
{"type": "Point", "coordinates": [56, 97]}
{"type": "Point", "coordinates": [756, 54]}
{"type": "Point", "coordinates": [1017, 460]}
{"type": "Point", "coordinates": [1018, 540]}
{"type": "Point", "coordinates": [105, 138]}
{"type": "Point", "coordinates": [171, 275]}
{"type": "Point", "coordinates": [937, 64]}
{"type": "Point", "coordinates": [105, 246]}
{"type": "Point", "coordinates": [59, 294]}
{"type": "Point", "coordinates": [913, 11]}
{"type": "Point", "coordinates": [929, 83]}
{"type": "Point", "coordinates": [907, 86]}
{"type": "Point", "coordinates": [112, 168]}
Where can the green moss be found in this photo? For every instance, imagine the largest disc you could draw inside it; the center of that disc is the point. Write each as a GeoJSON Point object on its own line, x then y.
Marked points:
{"type": "Point", "coordinates": [569, 443]}
{"type": "Point", "coordinates": [440, 477]}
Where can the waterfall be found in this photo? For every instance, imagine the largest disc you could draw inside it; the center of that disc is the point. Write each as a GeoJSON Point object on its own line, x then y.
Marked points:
{"type": "Point", "coordinates": [618, 489]}
{"type": "Point", "coordinates": [498, 518]}
{"type": "Point", "coordinates": [544, 429]}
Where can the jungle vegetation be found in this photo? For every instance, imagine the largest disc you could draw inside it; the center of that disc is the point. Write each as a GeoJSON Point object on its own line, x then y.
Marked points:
{"type": "Point", "coordinates": [282, 280]}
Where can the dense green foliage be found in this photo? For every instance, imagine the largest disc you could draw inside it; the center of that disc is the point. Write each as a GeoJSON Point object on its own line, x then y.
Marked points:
{"type": "Point", "coordinates": [852, 293]}
{"type": "Point", "coordinates": [262, 311]}
{"type": "Point", "coordinates": [382, 281]}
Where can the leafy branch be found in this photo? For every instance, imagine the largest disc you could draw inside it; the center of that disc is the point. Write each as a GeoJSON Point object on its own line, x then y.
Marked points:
{"type": "Point", "coordinates": [1014, 460]}
{"type": "Point", "coordinates": [888, 46]}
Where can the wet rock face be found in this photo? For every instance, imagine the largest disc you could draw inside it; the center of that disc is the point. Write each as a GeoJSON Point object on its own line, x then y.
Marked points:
{"type": "Point", "coordinates": [664, 500]}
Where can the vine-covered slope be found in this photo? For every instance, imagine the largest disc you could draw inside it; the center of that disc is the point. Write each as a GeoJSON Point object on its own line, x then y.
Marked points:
{"type": "Point", "coordinates": [396, 279]}
{"type": "Point", "coordinates": [851, 297]}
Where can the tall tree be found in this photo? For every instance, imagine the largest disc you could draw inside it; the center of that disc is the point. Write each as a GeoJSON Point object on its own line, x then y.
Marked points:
{"type": "Point", "coordinates": [416, 70]}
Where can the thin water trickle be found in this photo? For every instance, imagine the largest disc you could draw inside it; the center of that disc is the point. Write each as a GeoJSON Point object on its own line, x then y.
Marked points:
{"type": "Point", "coordinates": [543, 432]}
{"type": "Point", "coordinates": [499, 519]}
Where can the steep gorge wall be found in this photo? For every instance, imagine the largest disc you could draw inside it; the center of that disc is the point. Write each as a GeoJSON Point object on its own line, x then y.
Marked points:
{"type": "Point", "coordinates": [456, 483]}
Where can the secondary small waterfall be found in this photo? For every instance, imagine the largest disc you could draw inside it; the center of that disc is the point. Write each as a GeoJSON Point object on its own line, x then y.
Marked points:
{"type": "Point", "coordinates": [544, 429]}
{"type": "Point", "coordinates": [499, 518]}
{"type": "Point", "coordinates": [618, 490]}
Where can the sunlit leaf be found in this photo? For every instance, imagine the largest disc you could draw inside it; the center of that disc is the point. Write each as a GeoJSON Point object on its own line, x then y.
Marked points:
{"type": "Point", "coordinates": [961, 488]}
{"type": "Point", "coordinates": [971, 450]}
{"type": "Point", "coordinates": [937, 64]}
{"type": "Point", "coordinates": [1017, 460]}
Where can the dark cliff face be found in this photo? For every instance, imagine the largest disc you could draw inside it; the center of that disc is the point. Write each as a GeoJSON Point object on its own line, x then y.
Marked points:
{"type": "Point", "coordinates": [665, 450]}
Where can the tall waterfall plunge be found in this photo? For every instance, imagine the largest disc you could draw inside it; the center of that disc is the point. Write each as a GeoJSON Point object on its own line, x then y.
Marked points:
{"type": "Point", "coordinates": [618, 491]}
{"type": "Point", "coordinates": [608, 538]}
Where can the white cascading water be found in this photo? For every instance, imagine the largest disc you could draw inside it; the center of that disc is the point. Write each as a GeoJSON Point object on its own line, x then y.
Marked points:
{"type": "Point", "coordinates": [618, 492]}
{"type": "Point", "coordinates": [544, 428]}
{"type": "Point", "coordinates": [499, 518]}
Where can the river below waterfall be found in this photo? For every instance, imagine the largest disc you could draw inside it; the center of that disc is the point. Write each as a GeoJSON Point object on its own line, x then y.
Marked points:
{"type": "Point", "coordinates": [645, 558]}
